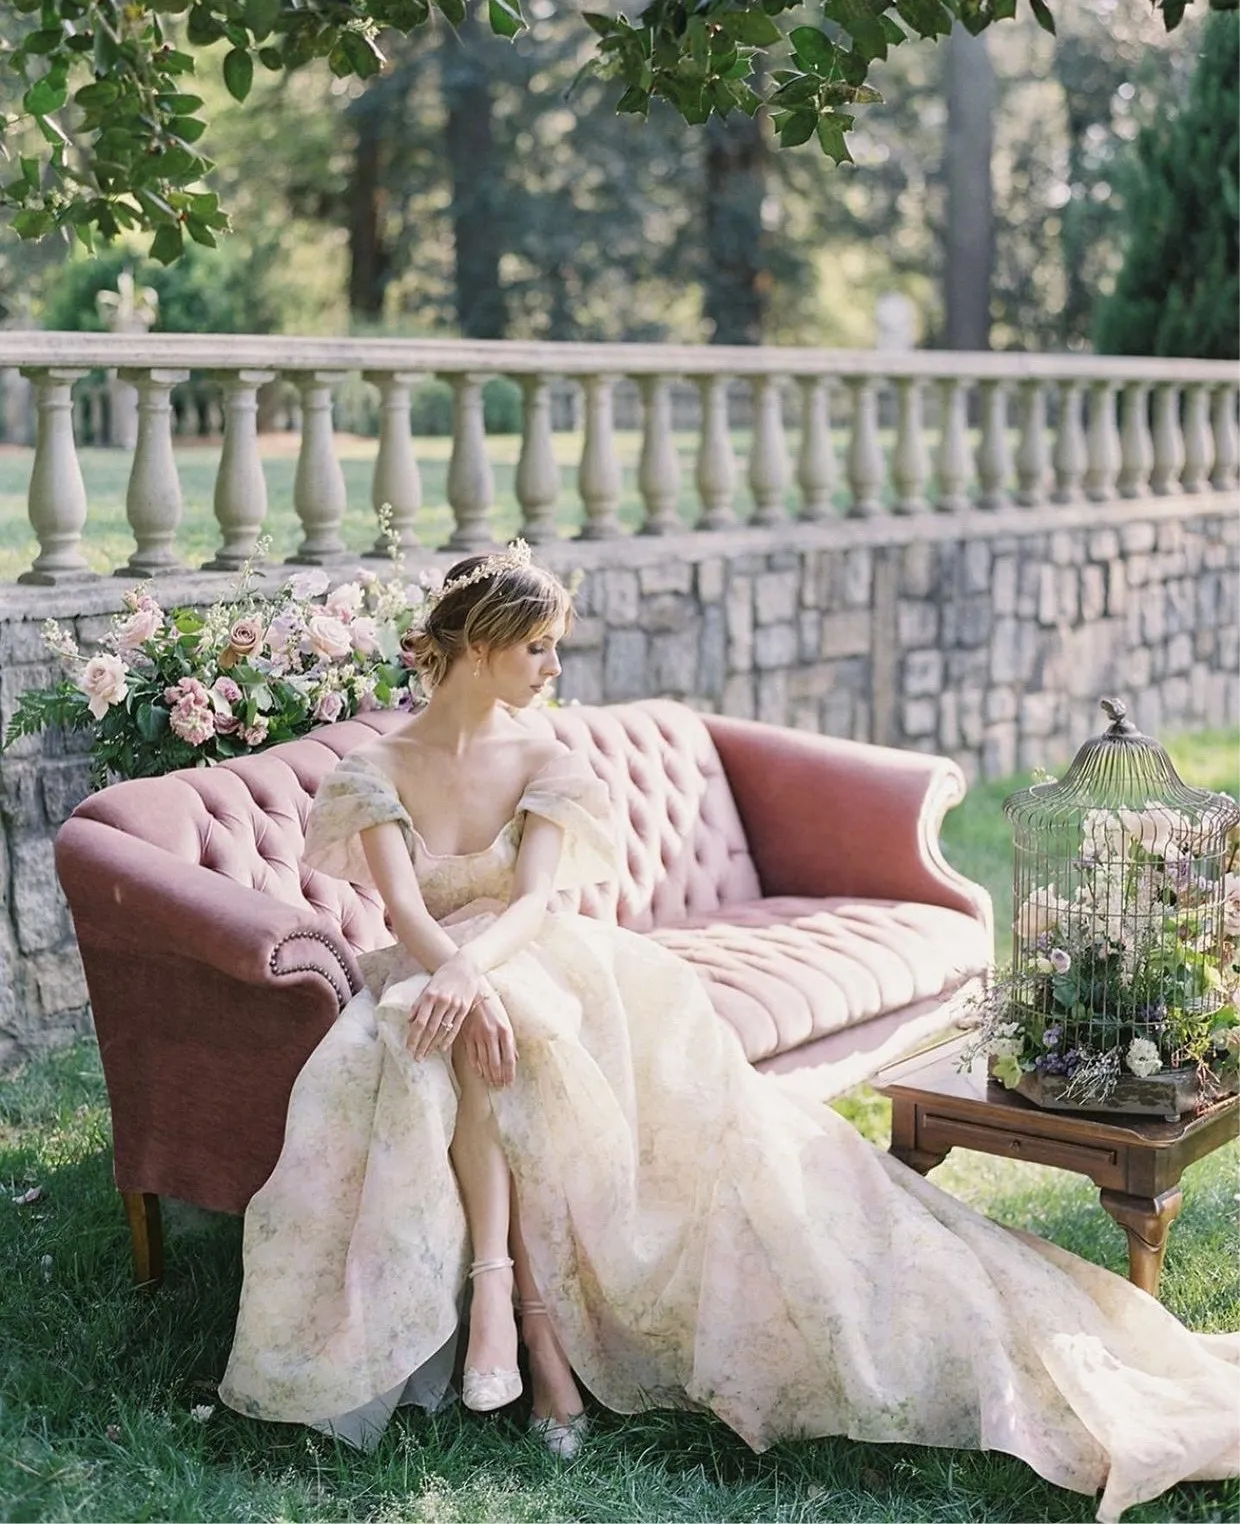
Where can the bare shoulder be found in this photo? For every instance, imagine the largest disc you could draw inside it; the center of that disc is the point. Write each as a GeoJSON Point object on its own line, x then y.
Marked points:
{"type": "Point", "coordinates": [538, 741]}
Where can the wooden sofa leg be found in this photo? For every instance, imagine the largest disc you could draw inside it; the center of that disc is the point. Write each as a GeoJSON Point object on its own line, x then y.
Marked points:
{"type": "Point", "coordinates": [146, 1237]}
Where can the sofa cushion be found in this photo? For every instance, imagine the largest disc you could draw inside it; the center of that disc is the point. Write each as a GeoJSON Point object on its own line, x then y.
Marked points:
{"type": "Point", "coordinates": [786, 971]}
{"type": "Point", "coordinates": [684, 849]}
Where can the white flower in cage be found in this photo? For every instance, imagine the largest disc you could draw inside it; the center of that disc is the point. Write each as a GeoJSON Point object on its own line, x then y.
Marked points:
{"type": "Point", "coordinates": [1155, 828]}
{"type": "Point", "coordinates": [1102, 835]}
{"type": "Point", "coordinates": [1041, 911]}
{"type": "Point", "coordinates": [1231, 905]}
{"type": "Point", "coordinates": [1143, 1057]}
{"type": "Point", "coordinates": [1006, 1040]}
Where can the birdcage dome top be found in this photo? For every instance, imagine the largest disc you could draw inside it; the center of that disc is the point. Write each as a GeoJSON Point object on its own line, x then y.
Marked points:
{"type": "Point", "coordinates": [1121, 770]}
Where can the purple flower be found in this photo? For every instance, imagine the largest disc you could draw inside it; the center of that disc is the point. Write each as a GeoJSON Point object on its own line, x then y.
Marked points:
{"type": "Point", "coordinates": [1051, 1036]}
{"type": "Point", "coordinates": [1061, 961]}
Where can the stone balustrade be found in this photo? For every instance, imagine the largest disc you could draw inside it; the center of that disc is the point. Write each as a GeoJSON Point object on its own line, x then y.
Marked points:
{"type": "Point", "coordinates": [1050, 429]}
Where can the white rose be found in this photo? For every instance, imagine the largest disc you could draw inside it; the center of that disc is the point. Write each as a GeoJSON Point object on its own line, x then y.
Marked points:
{"type": "Point", "coordinates": [328, 637]}
{"type": "Point", "coordinates": [365, 635]}
{"type": "Point", "coordinates": [1143, 1057]}
{"type": "Point", "coordinates": [1231, 905]}
{"type": "Point", "coordinates": [345, 600]}
{"type": "Point", "coordinates": [1042, 910]}
{"type": "Point", "coordinates": [308, 584]}
{"type": "Point", "coordinates": [103, 683]}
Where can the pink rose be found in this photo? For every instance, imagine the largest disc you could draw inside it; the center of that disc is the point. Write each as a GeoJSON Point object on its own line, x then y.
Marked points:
{"type": "Point", "coordinates": [328, 707]}
{"type": "Point", "coordinates": [365, 633]}
{"type": "Point", "coordinates": [192, 720]}
{"type": "Point", "coordinates": [328, 637]}
{"type": "Point", "coordinates": [344, 601]}
{"type": "Point", "coordinates": [142, 624]}
{"type": "Point", "coordinates": [103, 683]}
{"type": "Point", "coordinates": [226, 724]}
{"type": "Point", "coordinates": [224, 688]}
{"type": "Point", "coordinates": [187, 688]}
{"type": "Point", "coordinates": [256, 734]}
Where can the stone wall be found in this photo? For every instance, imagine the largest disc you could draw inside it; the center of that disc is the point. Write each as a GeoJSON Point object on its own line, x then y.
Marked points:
{"type": "Point", "coordinates": [989, 636]}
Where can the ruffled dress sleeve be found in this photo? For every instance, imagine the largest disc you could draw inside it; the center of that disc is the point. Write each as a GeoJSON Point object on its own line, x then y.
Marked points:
{"type": "Point", "coordinates": [567, 792]}
{"type": "Point", "coordinates": [353, 797]}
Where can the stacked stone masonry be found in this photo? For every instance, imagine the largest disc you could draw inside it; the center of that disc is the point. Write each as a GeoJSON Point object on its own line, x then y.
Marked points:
{"type": "Point", "coordinates": [989, 638]}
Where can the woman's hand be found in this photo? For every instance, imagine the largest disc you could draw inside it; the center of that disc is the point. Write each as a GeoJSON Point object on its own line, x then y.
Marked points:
{"type": "Point", "coordinates": [490, 1046]}
{"type": "Point", "coordinates": [439, 1010]}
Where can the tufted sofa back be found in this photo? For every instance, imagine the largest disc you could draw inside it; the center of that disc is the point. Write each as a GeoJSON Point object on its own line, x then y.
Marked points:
{"type": "Point", "coordinates": [684, 848]}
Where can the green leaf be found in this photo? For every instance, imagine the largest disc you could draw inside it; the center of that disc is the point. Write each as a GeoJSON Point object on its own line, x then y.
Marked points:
{"type": "Point", "coordinates": [238, 73]}
{"type": "Point", "coordinates": [928, 18]}
{"type": "Point", "coordinates": [453, 10]}
{"type": "Point", "coordinates": [798, 128]}
{"type": "Point", "coordinates": [597, 23]}
{"type": "Point", "coordinates": [152, 721]}
{"type": "Point", "coordinates": [200, 232]}
{"type": "Point", "coordinates": [506, 18]}
{"type": "Point", "coordinates": [1042, 14]}
{"type": "Point", "coordinates": [34, 222]}
{"type": "Point", "coordinates": [814, 49]}
{"type": "Point", "coordinates": [168, 243]}
{"type": "Point", "coordinates": [831, 130]}
{"type": "Point", "coordinates": [753, 27]}
{"type": "Point", "coordinates": [202, 27]}
{"type": "Point", "coordinates": [861, 24]}
{"type": "Point", "coordinates": [635, 101]}
{"type": "Point", "coordinates": [271, 58]}
{"type": "Point", "coordinates": [894, 33]}
{"type": "Point", "coordinates": [44, 96]}
{"type": "Point", "coordinates": [261, 16]}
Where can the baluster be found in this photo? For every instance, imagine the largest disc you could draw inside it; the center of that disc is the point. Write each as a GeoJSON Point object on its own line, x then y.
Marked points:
{"type": "Point", "coordinates": [865, 458]}
{"type": "Point", "coordinates": [908, 464]}
{"type": "Point", "coordinates": [994, 464]}
{"type": "Point", "coordinates": [658, 474]}
{"type": "Point", "coordinates": [1198, 446]}
{"type": "Point", "coordinates": [319, 494]}
{"type": "Point", "coordinates": [1226, 444]}
{"type": "Point", "coordinates": [538, 476]}
{"type": "Point", "coordinates": [1031, 459]}
{"type": "Point", "coordinates": [598, 476]}
{"type": "Point", "coordinates": [240, 486]}
{"type": "Point", "coordinates": [1168, 441]}
{"type": "Point", "coordinates": [57, 494]}
{"type": "Point", "coordinates": [471, 486]}
{"type": "Point", "coordinates": [1136, 448]}
{"type": "Point", "coordinates": [952, 461]}
{"type": "Point", "coordinates": [1103, 444]}
{"type": "Point", "coordinates": [396, 481]}
{"type": "Point", "coordinates": [716, 464]}
{"type": "Point", "coordinates": [153, 498]}
{"type": "Point", "coordinates": [1069, 457]}
{"type": "Point", "coordinates": [768, 453]}
{"type": "Point", "coordinates": [816, 467]}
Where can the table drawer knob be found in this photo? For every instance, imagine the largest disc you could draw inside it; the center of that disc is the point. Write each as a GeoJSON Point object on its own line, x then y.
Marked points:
{"type": "Point", "coordinates": [1015, 1145]}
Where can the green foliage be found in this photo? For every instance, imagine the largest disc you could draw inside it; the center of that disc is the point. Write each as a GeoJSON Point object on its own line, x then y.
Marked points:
{"type": "Point", "coordinates": [115, 128]}
{"type": "Point", "coordinates": [1177, 292]}
{"type": "Point", "coordinates": [218, 291]}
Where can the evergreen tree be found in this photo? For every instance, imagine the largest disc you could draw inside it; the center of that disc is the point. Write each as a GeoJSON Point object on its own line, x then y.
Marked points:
{"type": "Point", "coordinates": [1178, 291]}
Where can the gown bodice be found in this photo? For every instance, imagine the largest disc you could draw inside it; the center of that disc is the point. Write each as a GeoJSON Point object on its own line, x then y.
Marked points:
{"type": "Point", "coordinates": [450, 881]}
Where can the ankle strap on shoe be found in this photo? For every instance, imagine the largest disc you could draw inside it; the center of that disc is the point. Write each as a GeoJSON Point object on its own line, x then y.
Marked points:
{"type": "Point", "coordinates": [533, 1308]}
{"type": "Point", "coordinates": [479, 1265]}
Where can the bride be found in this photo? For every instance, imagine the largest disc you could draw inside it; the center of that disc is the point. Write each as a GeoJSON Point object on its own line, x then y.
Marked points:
{"type": "Point", "coordinates": [542, 1111]}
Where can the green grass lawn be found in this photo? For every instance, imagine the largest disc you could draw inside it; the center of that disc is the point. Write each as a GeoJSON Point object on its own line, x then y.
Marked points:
{"type": "Point", "coordinates": [98, 1381]}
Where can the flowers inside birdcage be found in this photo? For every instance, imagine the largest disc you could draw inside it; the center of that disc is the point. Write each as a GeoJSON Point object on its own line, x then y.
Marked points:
{"type": "Point", "coordinates": [1125, 982]}
{"type": "Point", "coordinates": [188, 687]}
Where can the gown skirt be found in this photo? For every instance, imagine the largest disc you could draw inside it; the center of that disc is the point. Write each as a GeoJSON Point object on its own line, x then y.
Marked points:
{"type": "Point", "coordinates": [700, 1239]}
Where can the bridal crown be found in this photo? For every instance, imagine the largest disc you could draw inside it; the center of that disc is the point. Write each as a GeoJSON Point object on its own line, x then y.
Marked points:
{"type": "Point", "coordinates": [516, 556]}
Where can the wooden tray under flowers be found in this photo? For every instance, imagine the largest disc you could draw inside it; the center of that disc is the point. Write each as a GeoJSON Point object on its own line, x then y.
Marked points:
{"type": "Point", "coordinates": [1171, 1093]}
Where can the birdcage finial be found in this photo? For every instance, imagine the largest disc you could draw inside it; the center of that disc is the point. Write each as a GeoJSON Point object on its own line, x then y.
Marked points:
{"type": "Point", "coordinates": [1116, 711]}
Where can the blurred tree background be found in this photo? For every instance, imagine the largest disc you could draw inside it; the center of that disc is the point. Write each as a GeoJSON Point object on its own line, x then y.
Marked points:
{"type": "Point", "coordinates": [480, 187]}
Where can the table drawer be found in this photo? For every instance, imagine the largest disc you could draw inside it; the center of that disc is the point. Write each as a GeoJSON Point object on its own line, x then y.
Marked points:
{"type": "Point", "coordinates": [1103, 1164]}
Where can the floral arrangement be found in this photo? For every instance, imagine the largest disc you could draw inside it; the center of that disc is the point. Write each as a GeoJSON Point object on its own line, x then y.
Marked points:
{"type": "Point", "coordinates": [183, 688]}
{"type": "Point", "coordinates": [1133, 972]}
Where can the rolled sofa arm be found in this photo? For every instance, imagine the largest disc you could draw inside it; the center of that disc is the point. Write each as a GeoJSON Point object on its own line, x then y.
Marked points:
{"type": "Point", "coordinates": [128, 895]}
{"type": "Point", "coordinates": [828, 817]}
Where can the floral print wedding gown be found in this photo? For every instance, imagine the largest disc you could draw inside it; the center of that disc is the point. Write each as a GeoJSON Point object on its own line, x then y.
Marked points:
{"type": "Point", "coordinates": [699, 1239]}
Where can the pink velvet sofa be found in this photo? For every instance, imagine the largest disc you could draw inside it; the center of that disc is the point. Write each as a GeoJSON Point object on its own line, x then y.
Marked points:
{"type": "Point", "coordinates": [800, 875]}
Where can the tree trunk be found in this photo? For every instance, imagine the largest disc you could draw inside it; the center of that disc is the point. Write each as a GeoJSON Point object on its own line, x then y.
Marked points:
{"type": "Point", "coordinates": [369, 257]}
{"type": "Point", "coordinates": [969, 239]}
{"type": "Point", "coordinates": [477, 186]}
{"type": "Point", "coordinates": [737, 281]}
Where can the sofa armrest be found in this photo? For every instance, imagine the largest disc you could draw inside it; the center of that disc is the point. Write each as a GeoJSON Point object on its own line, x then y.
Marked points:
{"type": "Point", "coordinates": [127, 895]}
{"type": "Point", "coordinates": [825, 817]}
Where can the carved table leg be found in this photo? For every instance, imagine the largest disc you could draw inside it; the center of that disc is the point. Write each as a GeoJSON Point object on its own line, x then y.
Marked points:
{"type": "Point", "coordinates": [919, 1159]}
{"type": "Point", "coordinates": [146, 1236]}
{"type": "Point", "coordinates": [1146, 1220]}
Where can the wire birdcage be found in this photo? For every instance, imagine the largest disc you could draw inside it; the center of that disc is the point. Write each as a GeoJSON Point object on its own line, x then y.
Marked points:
{"type": "Point", "coordinates": [1118, 913]}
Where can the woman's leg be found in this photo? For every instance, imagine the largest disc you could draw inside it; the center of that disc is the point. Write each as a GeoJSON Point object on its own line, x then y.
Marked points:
{"type": "Point", "coordinates": [482, 1173]}
{"type": "Point", "coordinates": [555, 1392]}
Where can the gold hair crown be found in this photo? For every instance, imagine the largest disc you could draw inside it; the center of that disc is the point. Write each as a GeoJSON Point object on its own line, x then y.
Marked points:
{"type": "Point", "coordinates": [517, 555]}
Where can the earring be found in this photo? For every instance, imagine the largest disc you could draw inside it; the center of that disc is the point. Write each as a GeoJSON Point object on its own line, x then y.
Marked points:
{"type": "Point", "coordinates": [478, 667]}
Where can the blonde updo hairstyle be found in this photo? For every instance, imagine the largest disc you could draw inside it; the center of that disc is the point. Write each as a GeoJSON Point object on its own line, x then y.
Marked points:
{"type": "Point", "coordinates": [514, 604]}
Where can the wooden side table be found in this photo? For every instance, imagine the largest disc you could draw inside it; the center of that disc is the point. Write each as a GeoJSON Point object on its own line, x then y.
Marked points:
{"type": "Point", "coordinates": [1135, 1162]}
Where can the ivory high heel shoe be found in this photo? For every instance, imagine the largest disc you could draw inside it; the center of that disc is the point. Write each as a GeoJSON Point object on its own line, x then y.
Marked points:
{"type": "Point", "coordinates": [484, 1391]}
{"type": "Point", "coordinates": [563, 1440]}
